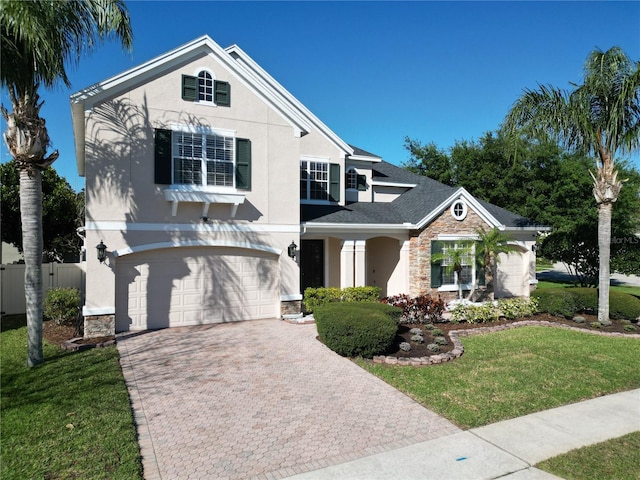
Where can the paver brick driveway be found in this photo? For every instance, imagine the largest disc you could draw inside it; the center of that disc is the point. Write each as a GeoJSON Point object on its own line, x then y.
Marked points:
{"type": "Point", "coordinates": [259, 399]}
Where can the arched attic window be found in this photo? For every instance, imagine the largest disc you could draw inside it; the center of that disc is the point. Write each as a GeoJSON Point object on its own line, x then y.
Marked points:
{"type": "Point", "coordinates": [353, 181]}
{"type": "Point", "coordinates": [205, 86]}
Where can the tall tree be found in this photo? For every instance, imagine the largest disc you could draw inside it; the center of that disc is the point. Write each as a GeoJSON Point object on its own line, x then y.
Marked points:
{"type": "Point", "coordinates": [38, 40]}
{"type": "Point", "coordinates": [599, 117]}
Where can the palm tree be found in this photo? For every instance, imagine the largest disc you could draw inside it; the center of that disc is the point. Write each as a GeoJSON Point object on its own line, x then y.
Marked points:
{"type": "Point", "coordinates": [599, 117]}
{"type": "Point", "coordinates": [491, 244]}
{"type": "Point", "coordinates": [37, 40]}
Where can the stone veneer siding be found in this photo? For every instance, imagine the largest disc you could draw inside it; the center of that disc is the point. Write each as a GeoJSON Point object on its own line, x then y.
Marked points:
{"type": "Point", "coordinates": [99, 326]}
{"type": "Point", "coordinates": [420, 249]}
{"type": "Point", "coordinates": [291, 307]}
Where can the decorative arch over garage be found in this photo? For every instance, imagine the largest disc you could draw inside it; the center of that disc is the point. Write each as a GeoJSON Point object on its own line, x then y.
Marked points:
{"type": "Point", "coordinates": [169, 284]}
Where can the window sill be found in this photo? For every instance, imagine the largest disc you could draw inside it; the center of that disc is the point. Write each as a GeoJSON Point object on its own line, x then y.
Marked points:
{"type": "Point", "coordinates": [455, 288]}
{"type": "Point", "coordinates": [204, 195]}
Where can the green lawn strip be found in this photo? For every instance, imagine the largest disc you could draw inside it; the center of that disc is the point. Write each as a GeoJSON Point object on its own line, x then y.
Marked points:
{"type": "Point", "coordinates": [68, 418]}
{"type": "Point", "coordinates": [618, 458]}
{"type": "Point", "coordinates": [630, 289]}
{"type": "Point", "coordinates": [512, 373]}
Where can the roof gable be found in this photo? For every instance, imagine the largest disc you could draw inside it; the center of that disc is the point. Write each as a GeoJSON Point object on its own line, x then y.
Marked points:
{"type": "Point", "coordinates": [414, 209]}
{"type": "Point", "coordinates": [233, 59]}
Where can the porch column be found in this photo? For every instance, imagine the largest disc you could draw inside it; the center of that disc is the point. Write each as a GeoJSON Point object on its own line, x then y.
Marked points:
{"type": "Point", "coordinates": [403, 284]}
{"type": "Point", "coordinates": [346, 263]}
{"type": "Point", "coordinates": [360, 263]}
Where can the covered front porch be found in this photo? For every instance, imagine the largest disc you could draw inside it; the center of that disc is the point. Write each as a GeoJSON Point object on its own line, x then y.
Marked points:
{"type": "Point", "coordinates": [379, 260]}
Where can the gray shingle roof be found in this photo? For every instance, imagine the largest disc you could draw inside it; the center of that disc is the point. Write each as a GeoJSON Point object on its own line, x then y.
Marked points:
{"type": "Point", "coordinates": [410, 207]}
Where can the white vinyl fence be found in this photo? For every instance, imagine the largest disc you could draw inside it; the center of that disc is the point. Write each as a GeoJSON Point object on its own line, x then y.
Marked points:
{"type": "Point", "coordinates": [54, 275]}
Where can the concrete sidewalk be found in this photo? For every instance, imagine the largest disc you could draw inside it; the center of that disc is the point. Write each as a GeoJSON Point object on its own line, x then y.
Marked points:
{"type": "Point", "coordinates": [505, 450]}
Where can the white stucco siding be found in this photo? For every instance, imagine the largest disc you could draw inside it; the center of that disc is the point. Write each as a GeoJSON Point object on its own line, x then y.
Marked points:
{"type": "Point", "coordinates": [512, 279]}
{"type": "Point", "coordinates": [195, 286]}
{"type": "Point", "coordinates": [120, 150]}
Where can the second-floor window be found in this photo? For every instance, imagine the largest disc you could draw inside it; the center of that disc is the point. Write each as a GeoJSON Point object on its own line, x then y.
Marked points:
{"type": "Point", "coordinates": [319, 181]}
{"type": "Point", "coordinates": [203, 159]}
{"type": "Point", "coordinates": [212, 158]}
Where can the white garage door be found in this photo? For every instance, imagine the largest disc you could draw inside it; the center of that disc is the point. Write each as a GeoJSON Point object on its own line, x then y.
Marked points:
{"type": "Point", "coordinates": [195, 286]}
{"type": "Point", "coordinates": [512, 276]}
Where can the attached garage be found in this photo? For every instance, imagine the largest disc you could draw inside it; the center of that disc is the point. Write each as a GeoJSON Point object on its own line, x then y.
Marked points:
{"type": "Point", "coordinates": [171, 287]}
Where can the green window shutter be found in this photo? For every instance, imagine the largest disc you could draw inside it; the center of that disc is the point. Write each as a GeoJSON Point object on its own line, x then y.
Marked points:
{"type": "Point", "coordinates": [436, 267]}
{"type": "Point", "coordinates": [334, 182]}
{"type": "Point", "coordinates": [162, 156]}
{"type": "Point", "coordinates": [362, 183]}
{"type": "Point", "coordinates": [243, 163]}
{"type": "Point", "coordinates": [222, 93]}
{"type": "Point", "coordinates": [189, 88]}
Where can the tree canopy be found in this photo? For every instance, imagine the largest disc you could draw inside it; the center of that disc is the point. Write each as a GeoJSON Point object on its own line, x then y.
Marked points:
{"type": "Point", "coordinates": [62, 213]}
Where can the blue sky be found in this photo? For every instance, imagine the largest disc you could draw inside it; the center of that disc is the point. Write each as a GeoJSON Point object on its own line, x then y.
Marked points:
{"type": "Point", "coordinates": [375, 72]}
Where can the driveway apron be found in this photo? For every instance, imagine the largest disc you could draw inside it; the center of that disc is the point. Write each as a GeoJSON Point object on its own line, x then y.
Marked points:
{"type": "Point", "coordinates": [259, 399]}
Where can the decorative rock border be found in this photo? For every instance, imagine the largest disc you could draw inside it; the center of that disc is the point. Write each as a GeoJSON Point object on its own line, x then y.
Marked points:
{"type": "Point", "coordinates": [79, 347]}
{"type": "Point", "coordinates": [458, 349]}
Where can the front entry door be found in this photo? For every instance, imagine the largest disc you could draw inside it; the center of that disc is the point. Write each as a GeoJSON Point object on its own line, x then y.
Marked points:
{"type": "Point", "coordinates": [311, 264]}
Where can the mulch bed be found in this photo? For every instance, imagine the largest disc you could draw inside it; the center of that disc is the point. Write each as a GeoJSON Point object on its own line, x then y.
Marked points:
{"type": "Point", "coordinates": [59, 334]}
{"type": "Point", "coordinates": [420, 349]}
{"type": "Point", "coordinates": [67, 337]}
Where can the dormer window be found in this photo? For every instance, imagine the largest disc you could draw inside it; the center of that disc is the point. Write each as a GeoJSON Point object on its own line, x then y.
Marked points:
{"type": "Point", "coordinates": [205, 89]}
{"type": "Point", "coordinates": [353, 181]}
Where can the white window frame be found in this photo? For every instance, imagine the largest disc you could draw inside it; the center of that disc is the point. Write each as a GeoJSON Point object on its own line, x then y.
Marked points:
{"type": "Point", "coordinates": [351, 179]}
{"type": "Point", "coordinates": [459, 210]}
{"type": "Point", "coordinates": [207, 134]}
{"type": "Point", "coordinates": [325, 163]}
{"type": "Point", "coordinates": [454, 243]}
{"type": "Point", "coordinates": [212, 78]}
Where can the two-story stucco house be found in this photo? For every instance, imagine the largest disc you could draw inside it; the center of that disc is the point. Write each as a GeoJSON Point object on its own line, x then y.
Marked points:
{"type": "Point", "coordinates": [202, 170]}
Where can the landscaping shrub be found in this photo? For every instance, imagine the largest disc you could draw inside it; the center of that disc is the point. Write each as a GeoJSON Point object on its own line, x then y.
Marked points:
{"type": "Point", "coordinates": [484, 313]}
{"type": "Point", "coordinates": [624, 305]}
{"type": "Point", "coordinates": [61, 305]}
{"type": "Point", "coordinates": [513, 308]}
{"type": "Point", "coordinates": [354, 329]}
{"type": "Point", "coordinates": [421, 309]}
{"type": "Point", "coordinates": [315, 297]}
{"type": "Point", "coordinates": [569, 301]}
{"type": "Point", "coordinates": [556, 301]}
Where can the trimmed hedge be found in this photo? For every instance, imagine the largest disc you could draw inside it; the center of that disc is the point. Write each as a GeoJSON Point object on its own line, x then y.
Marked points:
{"type": "Point", "coordinates": [569, 301]}
{"type": "Point", "coordinates": [354, 329]}
{"type": "Point", "coordinates": [315, 297]}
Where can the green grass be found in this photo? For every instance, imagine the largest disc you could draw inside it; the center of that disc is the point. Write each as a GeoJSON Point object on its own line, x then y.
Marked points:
{"type": "Point", "coordinates": [618, 458]}
{"type": "Point", "coordinates": [630, 289]}
{"type": "Point", "coordinates": [516, 372]}
{"type": "Point", "coordinates": [68, 418]}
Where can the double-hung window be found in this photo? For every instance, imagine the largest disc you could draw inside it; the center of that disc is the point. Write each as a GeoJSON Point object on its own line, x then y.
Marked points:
{"type": "Point", "coordinates": [319, 181]}
{"type": "Point", "coordinates": [460, 255]}
{"type": "Point", "coordinates": [449, 255]}
{"type": "Point", "coordinates": [211, 158]}
{"type": "Point", "coordinates": [203, 159]}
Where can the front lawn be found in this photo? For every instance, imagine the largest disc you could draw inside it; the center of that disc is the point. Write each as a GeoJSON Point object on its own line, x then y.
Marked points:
{"type": "Point", "coordinates": [69, 418]}
{"type": "Point", "coordinates": [515, 372]}
{"type": "Point", "coordinates": [618, 458]}
{"type": "Point", "coordinates": [630, 289]}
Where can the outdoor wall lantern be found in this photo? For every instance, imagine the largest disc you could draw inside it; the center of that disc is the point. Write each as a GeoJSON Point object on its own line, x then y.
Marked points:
{"type": "Point", "coordinates": [292, 249]}
{"type": "Point", "coordinates": [102, 251]}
